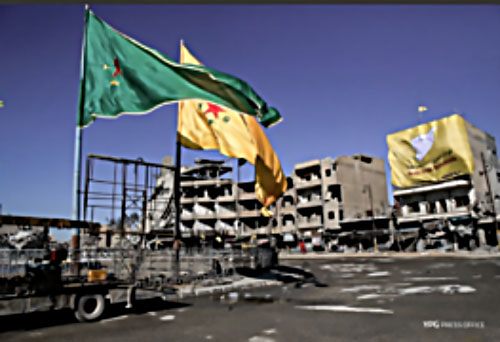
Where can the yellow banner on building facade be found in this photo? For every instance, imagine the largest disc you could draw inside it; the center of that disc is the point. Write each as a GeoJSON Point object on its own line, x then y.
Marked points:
{"type": "Point", "coordinates": [432, 152]}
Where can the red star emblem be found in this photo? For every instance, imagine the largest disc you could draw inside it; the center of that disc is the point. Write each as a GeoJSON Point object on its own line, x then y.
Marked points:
{"type": "Point", "coordinates": [213, 109]}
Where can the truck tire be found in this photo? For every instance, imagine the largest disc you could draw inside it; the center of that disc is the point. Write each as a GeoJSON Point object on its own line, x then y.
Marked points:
{"type": "Point", "coordinates": [90, 307]}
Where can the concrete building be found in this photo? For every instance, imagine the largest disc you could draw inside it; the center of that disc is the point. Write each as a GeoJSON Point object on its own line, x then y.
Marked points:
{"type": "Point", "coordinates": [460, 212]}
{"type": "Point", "coordinates": [212, 203]}
{"type": "Point", "coordinates": [321, 196]}
{"type": "Point", "coordinates": [342, 200]}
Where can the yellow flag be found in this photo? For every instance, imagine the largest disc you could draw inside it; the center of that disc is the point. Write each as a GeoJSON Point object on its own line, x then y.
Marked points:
{"type": "Point", "coordinates": [431, 152]}
{"type": "Point", "coordinates": [204, 125]}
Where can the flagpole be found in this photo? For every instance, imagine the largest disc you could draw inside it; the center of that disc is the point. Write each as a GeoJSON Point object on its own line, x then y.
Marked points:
{"type": "Point", "coordinates": [76, 215]}
{"type": "Point", "coordinates": [177, 184]}
{"type": "Point", "coordinates": [177, 195]}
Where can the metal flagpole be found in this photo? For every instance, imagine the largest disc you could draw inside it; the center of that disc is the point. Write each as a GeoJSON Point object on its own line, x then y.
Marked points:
{"type": "Point", "coordinates": [177, 183]}
{"type": "Point", "coordinates": [177, 195]}
{"type": "Point", "coordinates": [76, 215]}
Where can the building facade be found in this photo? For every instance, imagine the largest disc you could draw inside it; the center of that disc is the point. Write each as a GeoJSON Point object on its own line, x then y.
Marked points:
{"type": "Point", "coordinates": [459, 213]}
{"type": "Point", "coordinates": [321, 195]}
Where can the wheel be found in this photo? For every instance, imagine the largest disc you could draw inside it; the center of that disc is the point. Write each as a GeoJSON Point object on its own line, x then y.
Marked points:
{"type": "Point", "coordinates": [90, 307]}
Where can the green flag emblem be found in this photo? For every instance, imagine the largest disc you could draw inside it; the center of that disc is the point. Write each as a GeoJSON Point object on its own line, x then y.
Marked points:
{"type": "Point", "coordinates": [123, 76]}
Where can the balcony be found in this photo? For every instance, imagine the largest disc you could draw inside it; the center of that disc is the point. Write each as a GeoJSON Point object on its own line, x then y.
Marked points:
{"type": "Point", "coordinates": [310, 204]}
{"type": "Point", "coordinates": [206, 216]}
{"type": "Point", "coordinates": [250, 213]}
{"type": "Point", "coordinates": [225, 198]}
{"type": "Point", "coordinates": [246, 195]}
{"type": "Point", "coordinates": [305, 184]}
{"type": "Point", "coordinates": [185, 200]}
{"type": "Point", "coordinates": [313, 223]}
{"type": "Point", "coordinates": [226, 215]}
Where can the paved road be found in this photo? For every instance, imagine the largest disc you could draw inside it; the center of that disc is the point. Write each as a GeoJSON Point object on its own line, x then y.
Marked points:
{"type": "Point", "coordinates": [350, 299]}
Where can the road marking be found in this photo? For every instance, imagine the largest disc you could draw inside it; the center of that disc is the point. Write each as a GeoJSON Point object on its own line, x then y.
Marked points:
{"type": "Point", "coordinates": [167, 318]}
{"type": "Point", "coordinates": [431, 278]}
{"type": "Point", "coordinates": [445, 289]}
{"type": "Point", "coordinates": [451, 289]}
{"type": "Point", "coordinates": [342, 308]}
{"type": "Point", "coordinates": [370, 296]}
{"type": "Point", "coordinates": [260, 339]}
{"type": "Point", "coordinates": [361, 288]}
{"type": "Point", "coordinates": [119, 318]}
{"type": "Point", "coordinates": [152, 313]}
{"type": "Point", "coordinates": [379, 274]}
{"type": "Point", "coordinates": [209, 337]}
{"type": "Point", "coordinates": [415, 290]}
{"type": "Point", "coordinates": [269, 331]}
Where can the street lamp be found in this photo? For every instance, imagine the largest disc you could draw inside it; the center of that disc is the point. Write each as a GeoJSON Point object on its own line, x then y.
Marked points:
{"type": "Point", "coordinates": [368, 188]}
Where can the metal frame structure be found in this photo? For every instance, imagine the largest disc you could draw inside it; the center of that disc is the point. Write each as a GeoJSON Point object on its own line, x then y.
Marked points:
{"type": "Point", "coordinates": [128, 192]}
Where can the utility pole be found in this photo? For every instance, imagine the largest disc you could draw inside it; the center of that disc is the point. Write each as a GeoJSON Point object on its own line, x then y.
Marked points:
{"type": "Point", "coordinates": [492, 198]}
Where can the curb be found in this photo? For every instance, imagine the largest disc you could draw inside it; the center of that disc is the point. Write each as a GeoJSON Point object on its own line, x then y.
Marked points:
{"type": "Point", "coordinates": [396, 255]}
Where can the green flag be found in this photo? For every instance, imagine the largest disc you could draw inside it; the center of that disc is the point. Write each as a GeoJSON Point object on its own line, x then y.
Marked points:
{"type": "Point", "coordinates": [123, 76]}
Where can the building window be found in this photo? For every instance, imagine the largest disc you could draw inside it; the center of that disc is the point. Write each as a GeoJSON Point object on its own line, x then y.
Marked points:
{"type": "Point", "coordinates": [341, 215]}
{"type": "Point", "coordinates": [462, 201]}
{"type": "Point", "coordinates": [328, 172]}
{"type": "Point", "coordinates": [413, 207]}
{"type": "Point", "coordinates": [331, 215]}
{"type": "Point", "coordinates": [431, 208]}
{"type": "Point", "coordinates": [443, 205]}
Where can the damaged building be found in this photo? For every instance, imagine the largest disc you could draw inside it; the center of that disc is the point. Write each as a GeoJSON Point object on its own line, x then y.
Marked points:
{"type": "Point", "coordinates": [458, 208]}
{"type": "Point", "coordinates": [343, 199]}
{"type": "Point", "coordinates": [328, 197]}
{"type": "Point", "coordinates": [212, 203]}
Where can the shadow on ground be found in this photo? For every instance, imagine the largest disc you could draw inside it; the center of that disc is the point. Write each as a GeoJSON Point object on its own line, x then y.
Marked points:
{"type": "Point", "coordinates": [37, 320]}
{"type": "Point", "coordinates": [285, 274]}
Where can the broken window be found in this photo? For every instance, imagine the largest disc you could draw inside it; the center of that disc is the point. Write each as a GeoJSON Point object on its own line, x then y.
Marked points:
{"type": "Point", "coordinates": [432, 208]}
{"type": "Point", "coordinates": [462, 201]}
{"type": "Point", "coordinates": [442, 202]}
{"type": "Point", "coordinates": [413, 207]}
{"type": "Point", "coordinates": [335, 192]}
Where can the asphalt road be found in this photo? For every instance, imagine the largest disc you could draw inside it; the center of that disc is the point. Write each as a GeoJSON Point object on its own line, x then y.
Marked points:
{"type": "Point", "coordinates": [354, 299]}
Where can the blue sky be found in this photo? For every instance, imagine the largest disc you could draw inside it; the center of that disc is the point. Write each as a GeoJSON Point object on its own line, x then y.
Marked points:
{"type": "Point", "coordinates": [342, 76]}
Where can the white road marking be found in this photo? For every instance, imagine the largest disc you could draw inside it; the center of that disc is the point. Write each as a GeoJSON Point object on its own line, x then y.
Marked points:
{"type": "Point", "coordinates": [209, 337]}
{"type": "Point", "coordinates": [445, 289]}
{"type": "Point", "coordinates": [379, 274]}
{"type": "Point", "coordinates": [167, 318]}
{"type": "Point", "coordinates": [431, 278]}
{"type": "Point", "coordinates": [370, 296]}
{"type": "Point", "coordinates": [361, 288]}
{"type": "Point", "coordinates": [269, 331]}
{"type": "Point", "coordinates": [342, 308]}
{"type": "Point", "coordinates": [114, 319]}
{"type": "Point", "coordinates": [260, 339]}
{"type": "Point", "coordinates": [415, 290]}
{"type": "Point", "coordinates": [451, 289]}
{"type": "Point", "coordinates": [152, 313]}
